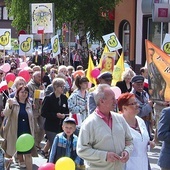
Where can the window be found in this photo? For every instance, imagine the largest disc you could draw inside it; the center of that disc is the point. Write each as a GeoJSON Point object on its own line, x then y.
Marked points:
{"type": "Point", "coordinates": [156, 31]}
{"type": "Point", "coordinates": [126, 40]}
{"type": "Point", "coordinates": [5, 14]}
{"type": "Point", "coordinates": [0, 12]}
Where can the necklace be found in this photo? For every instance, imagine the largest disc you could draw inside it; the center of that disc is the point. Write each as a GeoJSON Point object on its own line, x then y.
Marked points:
{"type": "Point", "coordinates": [136, 127]}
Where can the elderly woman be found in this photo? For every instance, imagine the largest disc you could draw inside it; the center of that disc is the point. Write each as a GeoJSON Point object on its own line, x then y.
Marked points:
{"type": "Point", "coordinates": [77, 102]}
{"type": "Point", "coordinates": [19, 81]}
{"type": "Point", "coordinates": [125, 85]}
{"type": "Point", "coordinates": [54, 109]}
{"type": "Point", "coordinates": [19, 116]}
{"type": "Point", "coordinates": [129, 108]}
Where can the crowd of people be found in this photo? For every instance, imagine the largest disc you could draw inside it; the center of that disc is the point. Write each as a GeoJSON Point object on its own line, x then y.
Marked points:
{"type": "Point", "coordinates": [84, 122]}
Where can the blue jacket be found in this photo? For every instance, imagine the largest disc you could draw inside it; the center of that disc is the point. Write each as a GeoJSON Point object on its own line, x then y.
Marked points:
{"type": "Point", "coordinates": [60, 147]}
{"type": "Point", "coordinates": [164, 135]}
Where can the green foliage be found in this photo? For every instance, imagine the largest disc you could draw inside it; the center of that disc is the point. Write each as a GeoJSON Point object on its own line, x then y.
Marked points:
{"type": "Point", "coordinates": [87, 12]}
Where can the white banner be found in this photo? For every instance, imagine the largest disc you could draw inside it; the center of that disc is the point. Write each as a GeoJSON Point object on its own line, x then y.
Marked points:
{"type": "Point", "coordinates": [112, 41]}
{"type": "Point", "coordinates": [5, 39]}
{"type": "Point", "coordinates": [55, 44]}
{"type": "Point", "coordinates": [42, 17]}
{"type": "Point", "coordinates": [25, 44]}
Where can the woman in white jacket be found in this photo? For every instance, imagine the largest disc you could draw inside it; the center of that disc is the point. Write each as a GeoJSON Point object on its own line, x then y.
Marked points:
{"type": "Point", "coordinates": [129, 108]}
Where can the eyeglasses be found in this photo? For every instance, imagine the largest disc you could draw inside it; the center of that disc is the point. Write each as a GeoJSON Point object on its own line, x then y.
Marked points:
{"type": "Point", "coordinates": [108, 80]}
{"type": "Point", "coordinates": [134, 103]}
{"type": "Point", "coordinates": [61, 87]}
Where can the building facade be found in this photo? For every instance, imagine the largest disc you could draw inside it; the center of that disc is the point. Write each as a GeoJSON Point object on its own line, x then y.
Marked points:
{"type": "Point", "coordinates": [134, 24]}
{"type": "Point", "coordinates": [5, 20]}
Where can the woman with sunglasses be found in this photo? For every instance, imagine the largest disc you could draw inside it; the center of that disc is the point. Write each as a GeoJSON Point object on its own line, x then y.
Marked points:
{"type": "Point", "coordinates": [54, 109]}
{"type": "Point", "coordinates": [129, 108]}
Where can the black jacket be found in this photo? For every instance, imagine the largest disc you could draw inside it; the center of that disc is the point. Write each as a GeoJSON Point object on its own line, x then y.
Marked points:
{"type": "Point", "coordinates": [50, 107]}
{"type": "Point", "coordinates": [123, 87]}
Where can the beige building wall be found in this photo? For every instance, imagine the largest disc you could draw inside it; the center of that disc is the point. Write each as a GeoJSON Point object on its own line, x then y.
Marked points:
{"type": "Point", "coordinates": [126, 10]}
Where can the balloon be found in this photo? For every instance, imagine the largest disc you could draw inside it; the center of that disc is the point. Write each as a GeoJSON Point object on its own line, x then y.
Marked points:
{"type": "Point", "coordinates": [117, 91]}
{"type": "Point", "coordinates": [25, 74]}
{"type": "Point", "coordinates": [23, 65]}
{"type": "Point", "coordinates": [95, 72]}
{"type": "Point", "coordinates": [126, 65]}
{"type": "Point", "coordinates": [95, 58]}
{"type": "Point", "coordinates": [47, 166]}
{"type": "Point", "coordinates": [10, 77]}
{"type": "Point", "coordinates": [65, 163]}
{"type": "Point", "coordinates": [78, 72]}
{"type": "Point", "coordinates": [24, 143]}
{"type": "Point", "coordinates": [6, 67]}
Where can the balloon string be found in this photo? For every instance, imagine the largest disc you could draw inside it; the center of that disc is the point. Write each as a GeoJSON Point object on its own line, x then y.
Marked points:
{"type": "Point", "coordinates": [9, 163]}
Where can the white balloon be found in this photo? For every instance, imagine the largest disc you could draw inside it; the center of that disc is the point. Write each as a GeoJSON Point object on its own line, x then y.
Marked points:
{"type": "Point", "coordinates": [117, 91]}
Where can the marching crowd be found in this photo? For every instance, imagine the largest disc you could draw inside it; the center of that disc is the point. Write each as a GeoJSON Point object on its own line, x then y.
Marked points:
{"type": "Point", "coordinates": [84, 122]}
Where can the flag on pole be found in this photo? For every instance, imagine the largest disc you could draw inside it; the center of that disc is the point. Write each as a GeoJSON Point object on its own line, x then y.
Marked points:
{"type": "Point", "coordinates": [118, 70]}
{"type": "Point", "coordinates": [38, 94]}
{"type": "Point", "coordinates": [106, 50]}
{"type": "Point", "coordinates": [3, 86]}
{"type": "Point", "coordinates": [158, 63]}
{"type": "Point", "coordinates": [89, 69]}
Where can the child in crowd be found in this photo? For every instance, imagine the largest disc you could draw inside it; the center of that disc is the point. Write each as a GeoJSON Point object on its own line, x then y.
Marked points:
{"type": "Point", "coordinates": [65, 144]}
{"type": "Point", "coordinates": [4, 162]}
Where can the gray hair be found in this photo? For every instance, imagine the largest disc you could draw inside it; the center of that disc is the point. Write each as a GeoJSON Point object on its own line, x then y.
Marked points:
{"type": "Point", "coordinates": [36, 73]}
{"type": "Point", "coordinates": [58, 82]}
{"type": "Point", "coordinates": [17, 80]}
{"type": "Point", "coordinates": [128, 72]}
{"type": "Point", "coordinates": [99, 92]}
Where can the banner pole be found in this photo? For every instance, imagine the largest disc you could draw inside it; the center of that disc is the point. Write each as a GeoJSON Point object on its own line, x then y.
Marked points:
{"type": "Point", "coordinates": [4, 54]}
{"type": "Point", "coordinates": [42, 45]}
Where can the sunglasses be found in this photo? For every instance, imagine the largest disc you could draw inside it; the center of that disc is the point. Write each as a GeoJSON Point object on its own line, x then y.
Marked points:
{"type": "Point", "coordinates": [1, 73]}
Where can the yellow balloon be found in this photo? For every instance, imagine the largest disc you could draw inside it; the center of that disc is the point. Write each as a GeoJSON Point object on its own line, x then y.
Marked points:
{"type": "Point", "coordinates": [65, 163]}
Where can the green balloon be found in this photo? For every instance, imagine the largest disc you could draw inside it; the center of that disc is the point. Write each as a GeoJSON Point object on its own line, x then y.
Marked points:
{"type": "Point", "coordinates": [24, 143]}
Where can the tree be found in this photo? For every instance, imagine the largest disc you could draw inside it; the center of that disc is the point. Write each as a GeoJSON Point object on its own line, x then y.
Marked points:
{"type": "Point", "coordinates": [84, 16]}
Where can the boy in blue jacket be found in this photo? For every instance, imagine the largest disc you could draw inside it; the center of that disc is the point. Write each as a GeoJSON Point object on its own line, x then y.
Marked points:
{"type": "Point", "coordinates": [65, 143]}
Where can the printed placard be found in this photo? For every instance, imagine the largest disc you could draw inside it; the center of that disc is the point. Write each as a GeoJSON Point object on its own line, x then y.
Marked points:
{"type": "Point", "coordinates": [42, 17]}
{"type": "Point", "coordinates": [5, 39]}
{"type": "Point", "coordinates": [112, 42]}
{"type": "Point", "coordinates": [25, 44]}
{"type": "Point", "coordinates": [55, 44]}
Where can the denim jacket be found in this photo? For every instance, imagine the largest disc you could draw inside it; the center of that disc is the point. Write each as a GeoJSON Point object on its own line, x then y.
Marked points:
{"type": "Point", "coordinates": [60, 149]}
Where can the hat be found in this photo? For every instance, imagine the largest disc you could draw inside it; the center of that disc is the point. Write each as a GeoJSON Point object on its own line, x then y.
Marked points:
{"type": "Point", "coordinates": [69, 120]}
{"type": "Point", "coordinates": [137, 79]}
{"type": "Point", "coordinates": [105, 76]}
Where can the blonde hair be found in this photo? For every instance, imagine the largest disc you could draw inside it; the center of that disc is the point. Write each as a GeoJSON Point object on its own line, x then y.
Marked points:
{"type": "Point", "coordinates": [128, 72]}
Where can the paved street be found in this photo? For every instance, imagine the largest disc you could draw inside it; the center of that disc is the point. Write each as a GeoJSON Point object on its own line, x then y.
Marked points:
{"type": "Point", "coordinates": [153, 156]}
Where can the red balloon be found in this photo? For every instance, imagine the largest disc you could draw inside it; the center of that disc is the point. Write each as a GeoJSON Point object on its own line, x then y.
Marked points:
{"type": "Point", "coordinates": [47, 166]}
{"type": "Point", "coordinates": [25, 74]}
{"type": "Point", "coordinates": [10, 77]}
{"type": "Point", "coordinates": [95, 72]}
